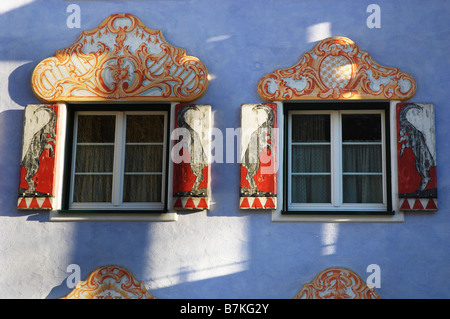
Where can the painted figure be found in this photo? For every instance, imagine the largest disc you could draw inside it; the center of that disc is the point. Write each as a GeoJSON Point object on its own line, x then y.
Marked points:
{"type": "Point", "coordinates": [186, 118]}
{"type": "Point", "coordinates": [260, 139]}
{"type": "Point", "coordinates": [43, 138]}
{"type": "Point", "coordinates": [411, 137]}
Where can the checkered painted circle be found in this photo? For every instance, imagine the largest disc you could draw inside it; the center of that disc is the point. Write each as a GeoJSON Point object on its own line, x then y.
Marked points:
{"type": "Point", "coordinates": [335, 71]}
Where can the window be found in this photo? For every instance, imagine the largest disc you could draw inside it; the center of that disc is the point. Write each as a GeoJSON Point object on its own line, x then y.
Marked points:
{"type": "Point", "coordinates": [337, 160]}
{"type": "Point", "coordinates": [118, 160]}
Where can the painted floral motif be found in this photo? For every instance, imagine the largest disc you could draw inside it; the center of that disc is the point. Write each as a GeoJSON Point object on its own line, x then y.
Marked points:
{"type": "Point", "coordinates": [336, 69]}
{"type": "Point", "coordinates": [122, 59]}
{"type": "Point", "coordinates": [110, 282]}
{"type": "Point", "coordinates": [337, 283]}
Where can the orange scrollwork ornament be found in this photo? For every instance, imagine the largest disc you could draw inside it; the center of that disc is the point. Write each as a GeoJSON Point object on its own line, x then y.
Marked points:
{"type": "Point", "coordinates": [110, 282]}
{"type": "Point", "coordinates": [336, 69]}
{"type": "Point", "coordinates": [121, 59]}
{"type": "Point", "coordinates": [337, 283]}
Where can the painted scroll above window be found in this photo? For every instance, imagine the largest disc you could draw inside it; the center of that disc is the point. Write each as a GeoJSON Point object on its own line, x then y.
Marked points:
{"type": "Point", "coordinates": [336, 69]}
{"type": "Point", "coordinates": [121, 59]}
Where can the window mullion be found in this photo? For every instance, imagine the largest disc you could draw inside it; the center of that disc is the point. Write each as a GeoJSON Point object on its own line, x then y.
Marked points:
{"type": "Point", "coordinates": [336, 159]}
{"type": "Point", "coordinates": [119, 155]}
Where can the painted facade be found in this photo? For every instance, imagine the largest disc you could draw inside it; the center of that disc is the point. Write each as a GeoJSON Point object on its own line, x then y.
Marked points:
{"type": "Point", "coordinates": [223, 65]}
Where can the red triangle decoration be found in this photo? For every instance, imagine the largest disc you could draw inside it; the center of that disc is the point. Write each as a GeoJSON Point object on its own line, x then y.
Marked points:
{"type": "Point", "coordinates": [34, 204]}
{"type": "Point", "coordinates": [47, 204]}
{"type": "Point", "coordinates": [405, 204]}
{"type": "Point", "coordinates": [418, 204]}
{"type": "Point", "coordinates": [431, 205]}
{"type": "Point", "coordinates": [190, 203]}
{"type": "Point", "coordinates": [23, 203]}
{"type": "Point", "coordinates": [202, 203]}
{"type": "Point", "coordinates": [269, 203]}
{"type": "Point", "coordinates": [245, 203]}
{"type": "Point", "coordinates": [178, 203]}
{"type": "Point", "coordinates": [257, 203]}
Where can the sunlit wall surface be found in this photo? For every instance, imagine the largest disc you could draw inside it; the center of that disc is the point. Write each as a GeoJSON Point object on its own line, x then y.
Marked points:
{"type": "Point", "coordinates": [226, 252]}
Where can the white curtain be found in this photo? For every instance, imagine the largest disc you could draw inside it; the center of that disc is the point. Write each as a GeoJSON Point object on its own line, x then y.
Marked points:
{"type": "Point", "coordinates": [142, 161]}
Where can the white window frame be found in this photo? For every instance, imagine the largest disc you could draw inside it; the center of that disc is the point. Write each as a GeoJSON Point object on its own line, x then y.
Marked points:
{"type": "Point", "coordinates": [61, 213]}
{"type": "Point", "coordinates": [336, 173]}
{"type": "Point", "coordinates": [279, 215]}
{"type": "Point", "coordinates": [118, 168]}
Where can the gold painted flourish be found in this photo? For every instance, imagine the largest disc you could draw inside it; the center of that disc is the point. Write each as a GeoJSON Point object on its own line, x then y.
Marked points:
{"type": "Point", "coordinates": [110, 282]}
{"type": "Point", "coordinates": [121, 59]}
{"type": "Point", "coordinates": [336, 69]}
{"type": "Point", "coordinates": [337, 283]}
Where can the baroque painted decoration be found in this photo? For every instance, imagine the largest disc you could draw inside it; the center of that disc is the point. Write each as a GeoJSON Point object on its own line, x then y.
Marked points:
{"type": "Point", "coordinates": [258, 156]}
{"type": "Point", "coordinates": [36, 188]}
{"type": "Point", "coordinates": [121, 59]}
{"type": "Point", "coordinates": [416, 156]}
{"type": "Point", "coordinates": [337, 283]}
{"type": "Point", "coordinates": [110, 282]}
{"type": "Point", "coordinates": [191, 156]}
{"type": "Point", "coordinates": [336, 69]}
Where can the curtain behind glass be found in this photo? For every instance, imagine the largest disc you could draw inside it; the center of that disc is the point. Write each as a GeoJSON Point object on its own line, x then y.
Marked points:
{"type": "Point", "coordinates": [310, 161]}
{"type": "Point", "coordinates": [144, 153]}
{"type": "Point", "coordinates": [362, 158]}
{"type": "Point", "coordinates": [94, 159]}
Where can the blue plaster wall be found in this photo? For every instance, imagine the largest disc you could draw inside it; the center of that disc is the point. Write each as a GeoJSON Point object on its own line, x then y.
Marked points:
{"type": "Point", "coordinates": [227, 253]}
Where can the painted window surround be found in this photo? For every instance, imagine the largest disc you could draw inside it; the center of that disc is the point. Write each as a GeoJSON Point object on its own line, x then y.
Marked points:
{"type": "Point", "coordinates": [337, 70]}
{"type": "Point", "coordinates": [120, 61]}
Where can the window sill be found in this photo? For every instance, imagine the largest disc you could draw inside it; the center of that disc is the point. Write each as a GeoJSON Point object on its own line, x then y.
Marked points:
{"type": "Point", "coordinates": [343, 217]}
{"type": "Point", "coordinates": [132, 216]}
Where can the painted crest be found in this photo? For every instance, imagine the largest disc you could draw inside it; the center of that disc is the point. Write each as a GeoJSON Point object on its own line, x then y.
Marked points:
{"type": "Point", "coordinates": [258, 156]}
{"type": "Point", "coordinates": [336, 69]}
{"type": "Point", "coordinates": [121, 59]}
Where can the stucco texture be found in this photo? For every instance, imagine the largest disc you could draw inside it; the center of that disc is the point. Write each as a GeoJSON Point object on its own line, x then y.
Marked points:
{"type": "Point", "coordinates": [227, 252]}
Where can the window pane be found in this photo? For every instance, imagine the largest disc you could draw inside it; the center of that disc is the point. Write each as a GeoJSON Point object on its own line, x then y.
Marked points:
{"type": "Point", "coordinates": [145, 128]}
{"type": "Point", "coordinates": [96, 128]}
{"type": "Point", "coordinates": [363, 189]}
{"type": "Point", "coordinates": [94, 159]}
{"type": "Point", "coordinates": [144, 154]}
{"type": "Point", "coordinates": [361, 127]}
{"type": "Point", "coordinates": [310, 158]}
{"type": "Point", "coordinates": [311, 128]}
{"type": "Point", "coordinates": [144, 158]}
{"type": "Point", "coordinates": [142, 188]}
{"type": "Point", "coordinates": [92, 188]}
{"type": "Point", "coordinates": [311, 189]}
{"type": "Point", "coordinates": [362, 158]}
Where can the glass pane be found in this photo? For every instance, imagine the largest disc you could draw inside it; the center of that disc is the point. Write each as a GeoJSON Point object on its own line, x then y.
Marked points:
{"type": "Point", "coordinates": [94, 158]}
{"type": "Point", "coordinates": [310, 158]}
{"type": "Point", "coordinates": [311, 189]}
{"type": "Point", "coordinates": [96, 128]}
{"type": "Point", "coordinates": [310, 128]}
{"type": "Point", "coordinates": [363, 189]}
{"type": "Point", "coordinates": [361, 127]}
{"type": "Point", "coordinates": [145, 128]}
{"type": "Point", "coordinates": [94, 155]}
{"type": "Point", "coordinates": [144, 153]}
{"type": "Point", "coordinates": [92, 188]}
{"type": "Point", "coordinates": [142, 188]}
{"type": "Point", "coordinates": [362, 158]}
{"type": "Point", "coordinates": [144, 158]}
